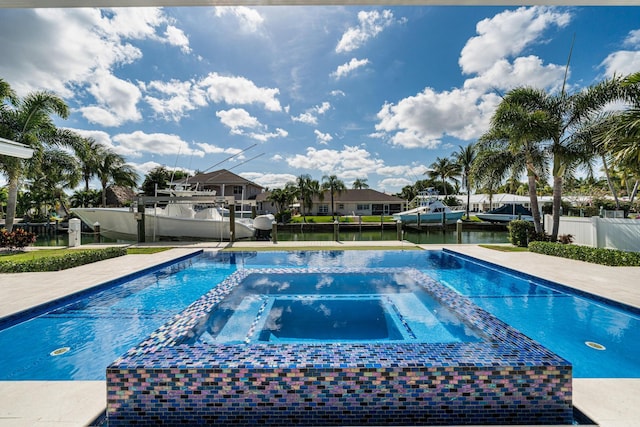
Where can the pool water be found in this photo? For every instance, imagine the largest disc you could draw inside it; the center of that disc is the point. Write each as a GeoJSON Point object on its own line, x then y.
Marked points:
{"type": "Point", "coordinates": [79, 340]}
{"type": "Point", "coordinates": [339, 307]}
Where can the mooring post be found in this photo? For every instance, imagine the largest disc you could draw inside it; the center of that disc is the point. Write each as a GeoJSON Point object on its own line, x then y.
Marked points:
{"type": "Point", "coordinates": [140, 218]}
{"type": "Point", "coordinates": [232, 222]}
{"type": "Point", "coordinates": [459, 230]}
{"type": "Point", "coordinates": [274, 232]}
{"type": "Point", "coordinates": [96, 230]}
{"type": "Point", "coordinates": [399, 229]}
{"type": "Point", "coordinates": [336, 230]}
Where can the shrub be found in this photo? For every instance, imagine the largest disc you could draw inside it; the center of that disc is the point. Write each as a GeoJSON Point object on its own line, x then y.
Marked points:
{"type": "Point", "coordinates": [611, 257]}
{"type": "Point", "coordinates": [16, 239]}
{"type": "Point", "coordinates": [520, 233]}
{"type": "Point", "coordinates": [62, 262]}
{"type": "Point", "coordinates": [565, 239]}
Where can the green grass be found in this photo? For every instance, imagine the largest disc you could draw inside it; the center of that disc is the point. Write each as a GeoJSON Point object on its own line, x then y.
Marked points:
{"type": "Point", "coordinates": [326, 219]}
{"type": "Point", "coordinates": [505, 248]}
{"type": "Point", "coordinates": [146, 250]}
{"type": "Point", "coordinates": [47, 253]}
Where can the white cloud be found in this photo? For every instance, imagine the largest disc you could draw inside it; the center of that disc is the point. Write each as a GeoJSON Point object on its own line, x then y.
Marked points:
{"type": "Point", "coordinates": [370, 24]}
{"type": "Point", "coordinates": [249, 19]}
{"type": "Point", "coordinates": [350, 162]}
{"type": "Point", "coordinates": [238, 118]}
{"type": "Point", "coordinates": [337, 93]}
{"type": "Point", "coordinates": [116, 101]}
{"type": "Point", "coordinates": [422, 120]}
{"type": "Point", "coordinates": [146, 167]}
{"type": "Point", "coordinates": [310, 116]}
{"type": "Point", "coordinates": [239, 90]}
{"type": "Point", "coordinates": [322, 138]}
{"type": "Point", "coordinates": [239, 121]}
{"type": "Point", "coordinates": [214, 149]}
{"type": "Point", "coordinates": [348, 67]}
{"type": "Point", "coordinates": [624, 62]}
{"type": "Point", "coordinates": [173, 99]}
{"type": "Point", "coordinates": [270, 180]}
{"type": "Point", "coordinates": [507, 34]}
{"type": "Point", "coordinates": [136, 143]}
{"type": "Point", "coordinates": [176, 37]}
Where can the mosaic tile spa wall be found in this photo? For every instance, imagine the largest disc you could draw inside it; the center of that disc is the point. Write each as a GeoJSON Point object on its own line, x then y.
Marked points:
{"type": "Point", "coordinates": [504, 379]}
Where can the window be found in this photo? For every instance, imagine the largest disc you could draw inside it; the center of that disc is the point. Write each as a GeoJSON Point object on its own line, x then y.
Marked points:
{"type": "Point", "coordinates": [237, 190]}
{"type": "Point", "coordinates": [340, 205]}
{"type": "Point", "coordinates": [363, 207]}
{"type": "Point", "coordinates": [323, 210]}
{"type": "Point", "coordinates": [377, 209]}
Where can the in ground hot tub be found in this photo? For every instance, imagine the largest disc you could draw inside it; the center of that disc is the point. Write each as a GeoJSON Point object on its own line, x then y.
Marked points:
{"type": "Point", "coordinates": [337, 347]}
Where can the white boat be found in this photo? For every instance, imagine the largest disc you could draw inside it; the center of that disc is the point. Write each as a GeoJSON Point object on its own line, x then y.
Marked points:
{"type": "Point", "coordinates": [429, 210]}
{"type": "Point", "coordinates": [195, 219]}
{"type": "Point", "coordinates": [506, 213]}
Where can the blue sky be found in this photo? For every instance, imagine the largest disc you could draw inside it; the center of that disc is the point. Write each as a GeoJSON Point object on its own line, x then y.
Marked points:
{"type": "Point", "coordinates": [374, 93]}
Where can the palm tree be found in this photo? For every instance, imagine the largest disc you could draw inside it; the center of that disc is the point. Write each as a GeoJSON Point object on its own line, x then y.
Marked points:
{"type": "Point", "coordinates": [517, 130]}
{"type": "Point", "coordinates": [86, 150]}
{"type": "Point", "coordinates": [359, 184]}
{"type": "Point", "coordinates": [27, 121]}
{"type": "Point", "coordinates": [307, 188]}
{"type": "Point", "coordinates": [334, 186]}
{"type": "Point", "coordinates": [465, 157]}
{"type": "Point", "coordinates": [283, 197]}
{"type": "Point", "coordinates": [444, 169]}
{"type": "Point", "coordinates": [112, 169]}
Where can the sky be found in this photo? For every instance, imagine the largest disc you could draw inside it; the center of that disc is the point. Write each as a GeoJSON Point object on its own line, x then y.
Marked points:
{"type": "Point", "coordinates": [270, 93]}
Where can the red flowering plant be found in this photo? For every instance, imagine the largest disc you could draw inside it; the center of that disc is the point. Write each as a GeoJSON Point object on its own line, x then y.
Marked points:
{"type": "Point", "coordinates": [16, 239]}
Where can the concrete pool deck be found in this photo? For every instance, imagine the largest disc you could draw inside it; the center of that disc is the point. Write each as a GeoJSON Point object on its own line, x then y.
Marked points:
{"type": "Point", "coordinates": [609, 402]}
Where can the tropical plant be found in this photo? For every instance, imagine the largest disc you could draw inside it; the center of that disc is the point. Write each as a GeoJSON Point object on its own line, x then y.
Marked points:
{"type": "Point", "coordinates": [160, 178]}
{"type": "Point", "coordinates": [27, 121]}
{"type": "Point", "coordinates": [359, 184]}
{"type": "Point", "coordinates": [283, 197]}
{"type": "Point", "coordinates": [86, 198]}
{"type": "Point", "coordinates": [444, 169]}
{"type": "Point", "coordinates": [512, 145]}
{"type": "Point", "coordinates": [112, 169]}
{"type": "Point", "coordinates": [335, 186]}
{"type": "Point", "coordinates": [307, 188]}
{"type": "Point", "coordinates": [464, 157]}
{"type": "Point", "coordinates": [86, 150]}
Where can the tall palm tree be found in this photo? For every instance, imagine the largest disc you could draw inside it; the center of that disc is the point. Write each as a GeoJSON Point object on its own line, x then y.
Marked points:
{"type": "Point", "coordinates": [464, 157]}
{"type": "Point", "coordinates": [307, 188]}
{"type": "Point", "coordinates": [27, 121]}
{"type": "Point", "coordinates": [518, 130]}
{"type": "Point", "coordinates": [334, 186]}
{"type": "Point", "coordinates": [112, 169]}
{"type": "Point", "coordinates": [359, 184]}
{"type": "Point", "coordinates": [446, 170]}
{"type": "Point", "coordinates": [86, 150]}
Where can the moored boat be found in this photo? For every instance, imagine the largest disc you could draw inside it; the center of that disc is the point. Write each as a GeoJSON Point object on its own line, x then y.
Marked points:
{"type": "Point", "coordinates": [507, 213]}
{"type": "Point", "coordinates": [429, 210]}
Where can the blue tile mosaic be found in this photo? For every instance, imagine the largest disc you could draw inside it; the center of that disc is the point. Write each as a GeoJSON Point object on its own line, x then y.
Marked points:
{"type": "Point", "coordinates": [506, 378]}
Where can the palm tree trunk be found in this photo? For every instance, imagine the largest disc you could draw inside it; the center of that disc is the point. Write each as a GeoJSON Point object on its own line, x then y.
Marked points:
{"type": "Point", "coordinates": [611, 188]}
{"type": "Point", "coordinates": [633, 193]}
{"type": "Point", "coordinates": [533, 198]}
{"type": "Point", "coordinates": [557, 206]}
{"type": "Point", "coordinates": [12, 200]}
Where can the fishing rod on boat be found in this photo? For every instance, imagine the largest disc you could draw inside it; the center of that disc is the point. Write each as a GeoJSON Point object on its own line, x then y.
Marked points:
{"type": "Point", "coordinates": [239, 164]}
{"type": "Point", "coordinates": [231, 157]}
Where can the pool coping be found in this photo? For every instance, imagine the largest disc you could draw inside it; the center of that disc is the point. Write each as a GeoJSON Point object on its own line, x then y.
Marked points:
{"type": "Point", "coordinates": [609, 402]}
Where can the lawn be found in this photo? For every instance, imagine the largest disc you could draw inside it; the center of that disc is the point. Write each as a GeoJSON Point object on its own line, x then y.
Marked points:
{"type": "Point", "coordinates": [313, 219]}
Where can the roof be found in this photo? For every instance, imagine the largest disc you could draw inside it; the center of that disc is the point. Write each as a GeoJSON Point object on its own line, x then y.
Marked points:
{"type": "Point", "coordinates": [219, 177]}
{"type": "Point", "coordinates": [364, 195]}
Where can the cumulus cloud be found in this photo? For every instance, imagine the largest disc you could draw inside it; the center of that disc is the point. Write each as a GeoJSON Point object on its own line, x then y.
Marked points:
{"type": "Point", "coordinates": [136, 143]}
{"type": "Point", "coordinates": [310, 116]}
{"type": "Point", "coordinates": [249, 19]}
{"type": "Point", "coordinates": [627, 61]}
{"type": "Point", "coordinates": [84, 49]}
{"type": "Point", "coordinates": [370, 24]}
{"type": "Point", "coordinates": [240, 122]}
{"type": "Point", "coordinates": [239, 91]}
{"type": "Point", "coordinates": [422, 120]}
{"type": "Point", "coordinates": [507, 34]}
{"type": "Point", "coordinates": [348, 67]}
{"type": "Point", "coordinates": [269, 180]}
{"type": "Point", "coordinates": [322, 138]}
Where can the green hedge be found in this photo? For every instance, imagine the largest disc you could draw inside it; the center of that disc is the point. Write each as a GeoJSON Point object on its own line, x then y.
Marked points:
{"type": "Point", "coordinates": [602, 256]}
{"type": "Point", "coordinates": [56, 263]}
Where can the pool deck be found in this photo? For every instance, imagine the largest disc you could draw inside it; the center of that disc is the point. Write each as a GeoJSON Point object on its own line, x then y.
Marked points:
{"type": "Point", "coordinates": [609, 402]}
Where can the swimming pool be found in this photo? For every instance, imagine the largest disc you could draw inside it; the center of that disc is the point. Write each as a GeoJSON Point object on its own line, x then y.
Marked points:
{"type": "Point", "coordinates": [78, 340]}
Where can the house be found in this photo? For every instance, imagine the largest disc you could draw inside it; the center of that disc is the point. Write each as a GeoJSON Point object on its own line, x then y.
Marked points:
{"type": "Point", "coordinates": [234, 188]}
{"type": "Point", "coordinates": [349, 202]}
